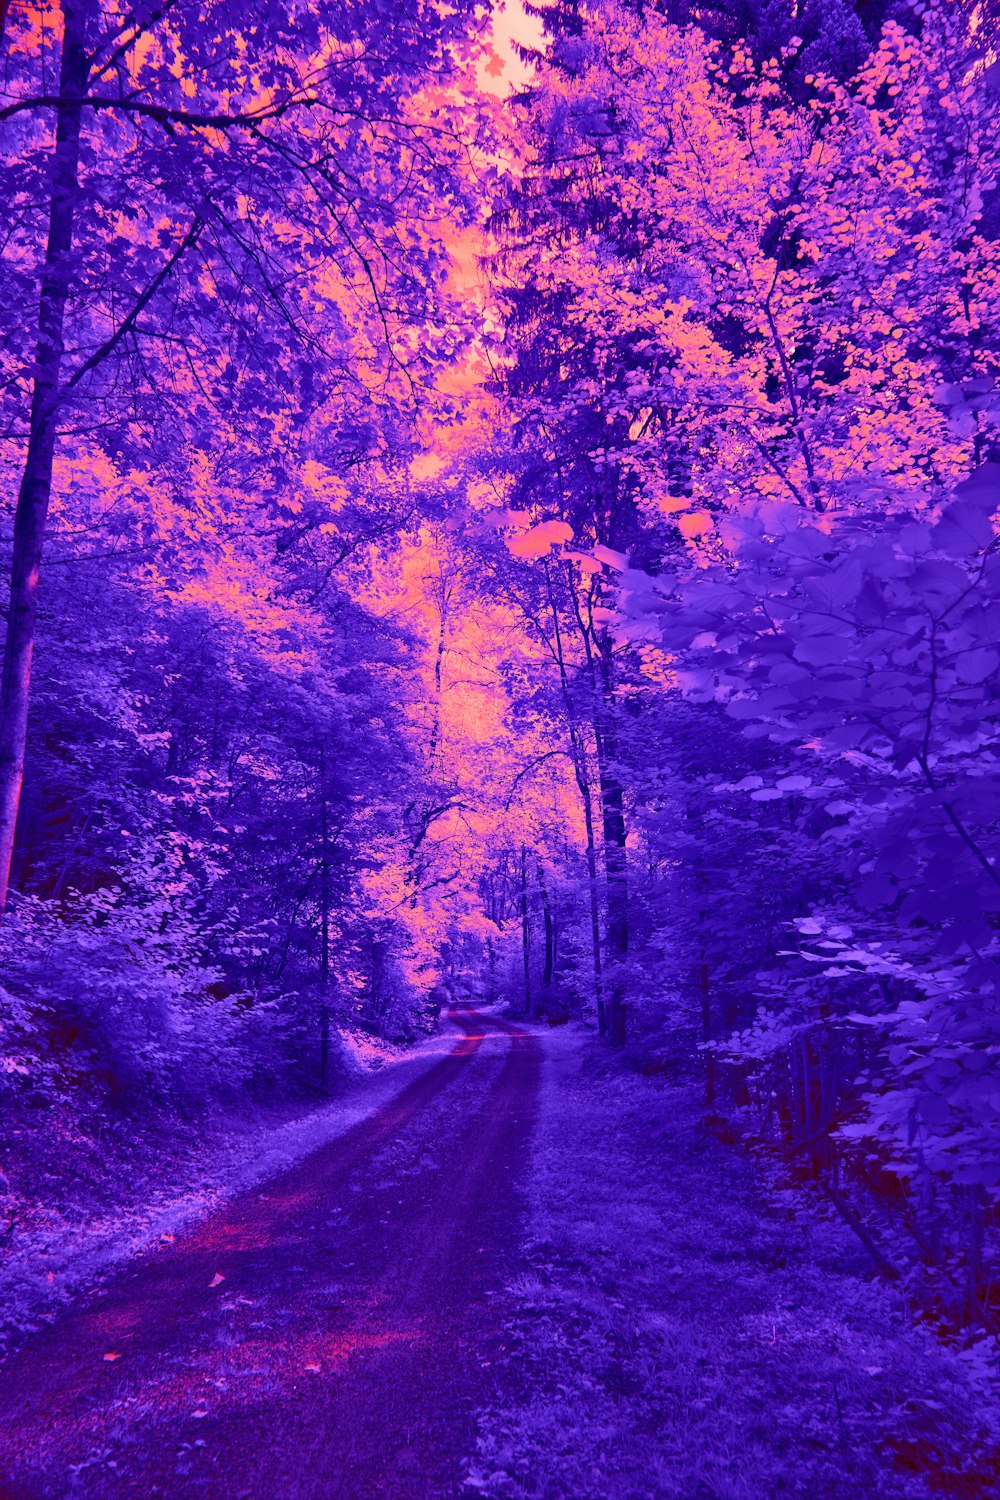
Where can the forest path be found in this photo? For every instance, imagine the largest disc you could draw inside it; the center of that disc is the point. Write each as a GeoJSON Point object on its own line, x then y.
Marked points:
{"type": "Point", "coordinates": [346, 1347]}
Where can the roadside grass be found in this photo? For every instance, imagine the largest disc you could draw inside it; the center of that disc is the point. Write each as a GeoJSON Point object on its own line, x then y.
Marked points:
{"type": "Point", "coordinates": [77, 1204]}
{"type": "Point", "coordinates": [681, 1332]}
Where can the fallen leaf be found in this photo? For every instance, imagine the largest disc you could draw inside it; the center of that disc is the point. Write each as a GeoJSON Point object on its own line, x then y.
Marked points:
{"type": "Point", "coordinates": [109, 1357]}
{"type": "Point", "coordinates": [217, 1279]}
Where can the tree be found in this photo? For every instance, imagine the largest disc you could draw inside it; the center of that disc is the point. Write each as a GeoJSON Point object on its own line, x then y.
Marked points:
{"type": "Point", "coordinates": [184, 234]}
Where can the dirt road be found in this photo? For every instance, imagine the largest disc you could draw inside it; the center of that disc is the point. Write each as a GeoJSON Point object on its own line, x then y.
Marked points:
{"type": "Point", "coordinates": [349, 1340]}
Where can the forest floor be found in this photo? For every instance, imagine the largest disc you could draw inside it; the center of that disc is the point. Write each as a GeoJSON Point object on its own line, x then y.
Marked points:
{"type": "Point", "coordinates": [684, 1331]}
{"type": "Point", "coordinates": [525, 1273]}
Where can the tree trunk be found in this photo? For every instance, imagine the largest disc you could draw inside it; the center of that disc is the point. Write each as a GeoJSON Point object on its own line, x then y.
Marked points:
{"type": "Point", "coordinates": [525, 933]}
{"type": "Point", "coordinates": [595, 905]}
{"type": "Point", "coordinates": [615, 863]}
{"type": "Point", "coordinates": [548, 969]}
{"type": "Point", "coordinates": [491, 954]}
{"type": "Point", "coordinates": [583, 784]}
{"type": "Point", "coordinates": [617, 878]}
{"type": "Point", "coordinates": [36, 482]}
{"type": "Point", "coordinates": [324, 931]}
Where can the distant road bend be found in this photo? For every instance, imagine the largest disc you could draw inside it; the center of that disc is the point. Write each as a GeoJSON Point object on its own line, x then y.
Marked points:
{"type": "Point", "coordinates": [346, 1347]}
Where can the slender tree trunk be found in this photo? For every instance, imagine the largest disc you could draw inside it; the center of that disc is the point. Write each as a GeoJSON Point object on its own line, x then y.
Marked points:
{"type": "Point", "coordinates": [525, 933]}
{"type": "Point", "coordinates": [444, 599]}
{"type": "Point", "coordinates": [549, 925]}
{"type": "Point", "coordinates": [583, 785]}
{"type": "Point", "coordinates": [324, 930]}
{"type": "Point", "coordinates": [597, 653]}
{"type": "Point", "coordinates": [556, 931]}
{"type": "Point", "coordinates": [491, 954]}
{"type": "Point", "coordinates": [595, 904]}
{"type": "Point", "coordinates": [36, 482]}
{"type": "Point", "coordinates": [379, 998]}
{"type": "Point", "coordinates": [616, 870]}
{"type": "Point", "coordinates": [615, 861]}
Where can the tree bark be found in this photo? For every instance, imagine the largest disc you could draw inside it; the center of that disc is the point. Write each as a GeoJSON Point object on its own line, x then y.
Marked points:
{"type": "Point", "coordinates": [548, 969]}
{"type": "Point", "coordinates": [525, 933]}
{"type": "Point", "coordinates": [31, 515]}
{"type": "Point", "coordinates": [595, 906]}
{"type": "Point", "coordinates": [324, 931]}
{"type": "Point", "coordinates": [579, 759]}
{"type": "Point", "coordinates": [615, 860]}
{"type": "Point", "coordinates": [600, 670]}
{"type": "Point", "coordinates": [616, 870]}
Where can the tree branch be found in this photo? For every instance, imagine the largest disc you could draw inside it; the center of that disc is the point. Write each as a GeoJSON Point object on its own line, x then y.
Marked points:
{"type": "Point", "coordinates": [141, 303]}
{"type": "Point", "coordinates": [162, 113]}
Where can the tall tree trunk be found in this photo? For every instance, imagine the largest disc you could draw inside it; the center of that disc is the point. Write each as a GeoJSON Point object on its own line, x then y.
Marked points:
{"type": "Point", "coordinates": [594, 892]}
{"type": "Point", "coordinates": [444, 600]}
{"type": "Point", "coordinates": [597, 651]}
{"type": "Point", "coordinates": [324, 930]}
{"type": "Point", "coordinates": [525, 933]}
{"type": "Point", "coordinates": [548, 968]}
{"type": "Point", "coordinates": [615, 861]}
{"type": "Point", "coordinates": [616, 870]}
{"type": "Point", "coordinates": [36, 482]}
{"type": "Point", "coordinates": [491, 954]}
{"type": "Point", "coordinates": [579, 758]}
